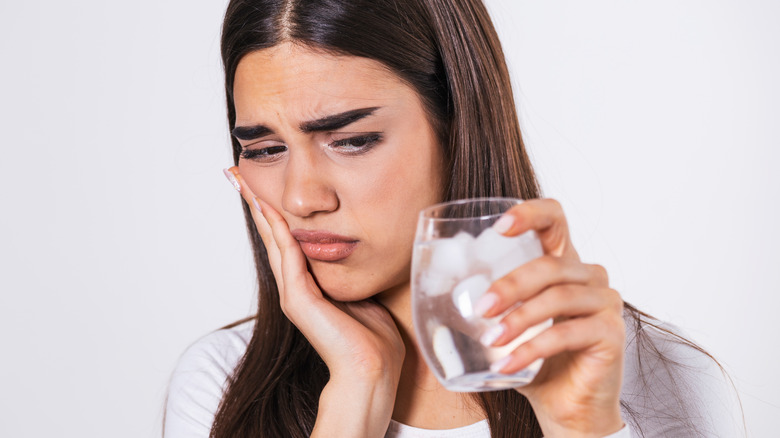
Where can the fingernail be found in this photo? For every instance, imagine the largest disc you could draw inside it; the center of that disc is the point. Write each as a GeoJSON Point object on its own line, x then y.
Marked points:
{"type": "Point", "coordinates": [485, 303]}
{"type": "Point", "coordinates": [232, 178]}
{"type": "Point", "coordinates": [504, 223]}
{"type": "Point", "coordinates": [257, 205]}
{"type": "Point", "coordinates": [499, 365]}
{"type": "Point", "coordinates": [492, 334]}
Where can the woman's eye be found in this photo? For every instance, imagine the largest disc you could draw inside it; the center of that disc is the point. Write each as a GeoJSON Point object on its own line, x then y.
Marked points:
{"type": "Point", "coordinates": [357, 145]}
{"type": "Point", "coordinates": [263, 154]}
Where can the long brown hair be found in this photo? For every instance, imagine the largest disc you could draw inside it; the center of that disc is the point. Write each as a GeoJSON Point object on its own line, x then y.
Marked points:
{"type": "Point", "coordinates": [449, 52]}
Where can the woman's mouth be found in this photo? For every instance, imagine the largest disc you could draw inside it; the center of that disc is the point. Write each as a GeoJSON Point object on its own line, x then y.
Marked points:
{"type": "Point", "coordinates": [324, 246]}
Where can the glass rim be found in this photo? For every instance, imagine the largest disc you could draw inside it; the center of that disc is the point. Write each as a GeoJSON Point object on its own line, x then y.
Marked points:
{"type": "Point", "coordinates": [425, 213]}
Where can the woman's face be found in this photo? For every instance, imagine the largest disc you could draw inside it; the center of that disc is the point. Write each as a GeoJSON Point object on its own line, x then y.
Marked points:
{"type": "Point", "coordinates": [343, 149]}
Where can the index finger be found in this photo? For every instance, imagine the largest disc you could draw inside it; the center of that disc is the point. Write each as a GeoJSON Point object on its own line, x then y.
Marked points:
{"type": "Point", "coordinates": [261, 223]}
{"type": "Point", "coordinates": [243, 189]}
{"type": "Point", "coordinates": [545, 216]}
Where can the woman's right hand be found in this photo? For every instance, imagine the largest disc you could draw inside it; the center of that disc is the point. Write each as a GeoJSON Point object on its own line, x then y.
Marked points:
{"type": "Point", "coordinates": [358, 341]}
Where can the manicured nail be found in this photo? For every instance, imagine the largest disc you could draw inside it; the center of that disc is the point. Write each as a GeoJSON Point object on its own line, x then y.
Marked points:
{"type": "Point", "coordinates": [232, 178]}
{"type": "Point", "coordinates": [499, 365]}
{"type": "Point", "coordinates": [504, 223]}
{"type": "Point", "coordinates": [492, 334]}
{"type": "Point", "coordinates": [485, 303]}
{"type": "Point", "coordinates": [257, 205]}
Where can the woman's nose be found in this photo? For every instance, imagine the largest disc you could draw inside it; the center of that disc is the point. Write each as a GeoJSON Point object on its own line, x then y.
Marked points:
{"type": "Point", "coordinates": [306, 187]}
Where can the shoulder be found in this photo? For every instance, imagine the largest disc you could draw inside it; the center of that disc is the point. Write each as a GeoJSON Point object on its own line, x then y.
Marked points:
{"type": "Point", "coordinates": [199, 378]}
{"type": "Point", "coordinates": [672, 387]}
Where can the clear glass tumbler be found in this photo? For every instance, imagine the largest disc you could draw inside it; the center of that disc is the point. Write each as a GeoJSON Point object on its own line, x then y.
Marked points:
{"type": "Point", "coordinates": [457, 256]}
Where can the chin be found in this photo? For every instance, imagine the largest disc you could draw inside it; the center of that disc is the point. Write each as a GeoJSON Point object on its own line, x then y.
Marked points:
{"type": "Point", "coordinates": [360, 280]}
{"type": "Point", "coordinates": [345, 294]}
{"type": "Point", "coordinates": [349, 286]}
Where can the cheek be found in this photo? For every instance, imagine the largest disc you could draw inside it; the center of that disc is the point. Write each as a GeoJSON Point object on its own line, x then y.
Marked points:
{"type": "Point", "coordinates": [388, 199]}
{"type": "Point", "coordinates": [265, 183]}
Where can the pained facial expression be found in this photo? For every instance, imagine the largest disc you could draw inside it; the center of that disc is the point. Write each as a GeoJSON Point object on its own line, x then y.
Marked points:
{"type": "Point", "coordinates": [339, 145]}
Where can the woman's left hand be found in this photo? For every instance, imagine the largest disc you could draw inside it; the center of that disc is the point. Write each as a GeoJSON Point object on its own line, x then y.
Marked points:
{"type": "Point", "coordinates": [577, 391]}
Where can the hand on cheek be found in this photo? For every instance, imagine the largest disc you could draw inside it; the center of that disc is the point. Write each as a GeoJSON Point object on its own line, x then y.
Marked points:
{"type": "Point", "coordinates": [357, 339]}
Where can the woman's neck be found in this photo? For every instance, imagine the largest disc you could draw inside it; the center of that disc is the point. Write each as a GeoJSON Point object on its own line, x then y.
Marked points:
{"type": "Point", "coordinates": [422, 401]}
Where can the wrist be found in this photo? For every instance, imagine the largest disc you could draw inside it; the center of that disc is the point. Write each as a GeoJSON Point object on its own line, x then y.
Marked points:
{"type": "Point", "coordinates": [355, 407]}
{"type": "Point", "coordinates": [595, 425]}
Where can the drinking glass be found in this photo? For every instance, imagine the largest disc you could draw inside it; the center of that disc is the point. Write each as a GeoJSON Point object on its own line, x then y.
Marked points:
{"type": "Point", "coordinates": [457, 256]}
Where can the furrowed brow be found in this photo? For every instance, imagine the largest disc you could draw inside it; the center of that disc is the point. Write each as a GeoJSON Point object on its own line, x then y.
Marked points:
{"type": "Point", "coordinates": [250, 132]}
{"type": "Point", "coordinates": [329, 123]}
{"type": "Point", "coordinates": [336, 121]}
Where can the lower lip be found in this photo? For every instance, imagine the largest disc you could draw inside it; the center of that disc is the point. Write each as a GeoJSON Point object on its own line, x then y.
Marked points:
{"type": "Point", "coordinates": [328, 252]}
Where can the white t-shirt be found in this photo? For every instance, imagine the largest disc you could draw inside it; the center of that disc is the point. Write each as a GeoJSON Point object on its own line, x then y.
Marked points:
{"type": "Point", "coordinates": [709, 402]}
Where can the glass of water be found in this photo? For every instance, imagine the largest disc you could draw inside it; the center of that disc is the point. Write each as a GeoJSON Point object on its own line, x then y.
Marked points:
{"type": "Point", "coordinates": [457, 256]}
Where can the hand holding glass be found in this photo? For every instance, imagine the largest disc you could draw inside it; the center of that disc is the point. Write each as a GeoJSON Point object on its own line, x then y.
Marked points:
{"type": "Point", "coordinates": [457, 256]}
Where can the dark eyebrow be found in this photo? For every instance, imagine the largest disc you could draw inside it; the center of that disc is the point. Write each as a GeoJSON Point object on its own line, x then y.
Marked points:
{"type": "Point", "coordinates": [329, 123]}
{"type": "Point", "coordinates": [250, 132]}
{"type": "Point", "coordinates": [337, 121]}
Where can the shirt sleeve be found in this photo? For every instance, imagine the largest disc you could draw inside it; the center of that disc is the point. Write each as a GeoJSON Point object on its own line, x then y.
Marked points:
{"type": "Point", "coordinates": [625, 432]}
{"type": "Point", "coordinates": [198, 382]}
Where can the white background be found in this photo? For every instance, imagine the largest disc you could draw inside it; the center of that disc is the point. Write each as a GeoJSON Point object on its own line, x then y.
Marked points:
{"type": "Point", "coordinates": [654, 123]}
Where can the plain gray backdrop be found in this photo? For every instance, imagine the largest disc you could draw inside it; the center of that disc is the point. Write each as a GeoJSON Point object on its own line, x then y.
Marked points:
{"type": "Point", "coordinates": [654, 123]}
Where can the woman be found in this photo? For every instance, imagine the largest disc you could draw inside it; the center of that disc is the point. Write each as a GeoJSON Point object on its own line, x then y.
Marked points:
{"type": "Point", "coordinates": [348, 117]}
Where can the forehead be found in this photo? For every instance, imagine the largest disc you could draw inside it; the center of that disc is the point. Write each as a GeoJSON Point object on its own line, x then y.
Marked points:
{"type": "Point", "coordinates": [302, 83]}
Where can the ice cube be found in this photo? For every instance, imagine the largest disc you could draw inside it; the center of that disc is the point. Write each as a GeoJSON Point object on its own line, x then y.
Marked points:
{"type": "Point", "coordinates": [529, 247]}
{"type": "Point", "coordinates": [467, 292]}
{"type": "Point", "coordinates": [531, 240]}
{"type": "Point", "coordinates": [451, 256]}
{"type": "Point", "coordinates": [445, 351]}
{"type": "Point", "coordinates": [433, 284]}
{"type": "Point", "coordinates": [465, 239]}
{"type": "Point", "coordinates": [491, 246]}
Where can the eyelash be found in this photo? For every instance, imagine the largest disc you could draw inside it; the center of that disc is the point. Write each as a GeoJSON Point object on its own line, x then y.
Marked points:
{"type": "Point", "coordinates": [265, 154]}
{"type": "Point", "coordinates": [359, 145]}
